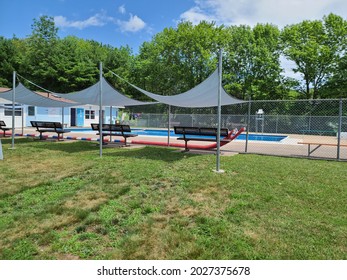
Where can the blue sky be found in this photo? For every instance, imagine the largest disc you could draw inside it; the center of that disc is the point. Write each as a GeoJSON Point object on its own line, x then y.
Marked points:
{"type": "Point", "coordinates": [114, 22]}
{"type": "Point", "coordinates": [131, 22]}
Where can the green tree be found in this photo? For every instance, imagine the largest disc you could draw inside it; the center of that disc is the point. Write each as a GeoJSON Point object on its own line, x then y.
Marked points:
{"type": "Point", "coordinates": [252, 62]}
{"type": "Point", "coordinates": [42, 52]}
{"type": "Point", "coordinates": [8, 63]}
{"type": "Point", "coordinates": [78, 62]}
{"type": "Point", "coordinates": [120, 61]}
{"type": "Point", "coordinates": [76, 69]}
{"type": "Point", "coordinates": [316, 48]}
{"type": "Point", "coordinates": [179, 58]}
{"type": "Point", "coordinates": [336, 86]}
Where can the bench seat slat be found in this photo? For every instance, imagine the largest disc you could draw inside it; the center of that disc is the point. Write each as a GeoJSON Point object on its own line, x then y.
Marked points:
{"type": "Point", "coordinates": [188, 134]}
{"type": "Point", "coordinates": [202, 139]}
{"type": "Point", "coordinates": [104, 133]}
{"type": "Point", "coordinates": [318, 145]}
{"type": "Point", "coordinates": [114, 130]}
{"type": "Point", "coordinates": [322, 144]}
{"type": "Point", "coordinates": [42, 127]}
{"type": "Point", "coordinates": [4, 128]}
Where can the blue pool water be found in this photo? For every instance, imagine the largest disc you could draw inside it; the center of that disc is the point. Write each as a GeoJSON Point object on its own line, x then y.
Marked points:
{"type": "Point", "coordinates": [163, 133]}
{"type": "Point", "coordinates": [264, 137]}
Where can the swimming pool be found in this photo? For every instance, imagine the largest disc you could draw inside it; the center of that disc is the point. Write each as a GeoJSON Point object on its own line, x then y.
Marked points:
{"type": "Point", "coordinates": [163, 133]}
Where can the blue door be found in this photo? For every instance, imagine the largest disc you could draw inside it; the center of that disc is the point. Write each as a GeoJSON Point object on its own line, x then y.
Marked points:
{"type": "Point", "coordinates": [80, 117]}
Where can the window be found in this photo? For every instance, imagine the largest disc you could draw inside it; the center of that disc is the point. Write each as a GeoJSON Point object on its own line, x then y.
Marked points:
{"type": "Point", "coordinates": [17, 110]}
{"type": "Point", "coordinates": [31, 110]}
{"type": "Point", "coordinates": [89, 114]}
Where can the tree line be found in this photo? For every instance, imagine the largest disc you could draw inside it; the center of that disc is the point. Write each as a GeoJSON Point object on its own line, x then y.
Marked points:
{"type": "Point", "coordinates": [178, 58]}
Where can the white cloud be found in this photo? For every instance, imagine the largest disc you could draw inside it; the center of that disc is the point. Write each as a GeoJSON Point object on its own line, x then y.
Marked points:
{"type": "Point", "coordinates": [278, 12]}
{"type": "Point", "coordinates": [134, 24]}
{"type": "Point", "coordinates": [121, 9]}
{"type": "Point", "coordinates": [195, 15]}
{"type": "Point", "coordinates": [96, 20]}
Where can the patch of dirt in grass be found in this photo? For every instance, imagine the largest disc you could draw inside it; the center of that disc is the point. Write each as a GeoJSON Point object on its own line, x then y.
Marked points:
{"type": "Point", "coordinates": [189, 212]}
{"type": "Point", "coordinates": [56, 222]}
{"type": "Point", "coordinates": [41, 171]}
{"type": "Point", "coordinates": [211, 202]}
{"type": "Point", "coordinates": [156, 239]}
{"type": "Point", "coordinates": [66, 257]}
{"type": "Point", "coordinates": [252, 234]}
{"type": "Point", "coordinates": [31, 227]}
{"type": "Point", "coordinates": [155, 246]}
{"type": "Point", "coordinates": [87, 199]}
{"type": "Point", "coordinates": [175, 207]}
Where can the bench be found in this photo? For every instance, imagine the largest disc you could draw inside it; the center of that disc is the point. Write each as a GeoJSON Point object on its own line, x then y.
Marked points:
{"type": "Point", "coordinates": [4, 128]}
{"type": "Point", "coordinates": [318, 145]}
{"type": "Point", "coordinates": [122, 130]}
{"type": "Point", "coordinates": [200, 134]}
{"type": "Point", "coordinates": [43, 127]}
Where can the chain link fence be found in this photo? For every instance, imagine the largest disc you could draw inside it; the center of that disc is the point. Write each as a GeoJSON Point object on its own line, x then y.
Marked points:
{"type": "Point", "coordinates": [300, 128]}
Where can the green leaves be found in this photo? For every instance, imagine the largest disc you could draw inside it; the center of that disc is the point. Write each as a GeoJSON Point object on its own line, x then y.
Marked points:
{"type": "Point", "coordinates": [253, 61]}
{"type": "Point", "coordinates": [178, 59]}
{"type": "Point", "coordinates": [316, 47]}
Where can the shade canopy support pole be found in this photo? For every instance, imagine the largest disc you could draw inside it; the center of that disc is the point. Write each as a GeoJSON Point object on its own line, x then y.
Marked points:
{"type": "Point", "coordinates": [100, 112]}
{"type": "Point", "coordinates": [13, 107]}
{"type": "Point", "coordinates": [23, 119]}
{"type": "Point", "coordinates": [219, 114]}
{"type": "Point", "coordinates": [168, 125]}
{"type": "Point", "coordinates": [111, 121]}
{"type": "Point", "coordinates": [62, 116]}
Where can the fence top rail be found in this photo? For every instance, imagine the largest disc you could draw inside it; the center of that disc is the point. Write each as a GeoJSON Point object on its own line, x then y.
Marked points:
{"type": "Point", "coordinates": [297, 100]}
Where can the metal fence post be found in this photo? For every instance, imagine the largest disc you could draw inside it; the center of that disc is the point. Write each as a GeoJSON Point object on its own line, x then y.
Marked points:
{"type": "Point", "coordinates": [168, 125]}
{"type": "Point", "coordinates": [339, 130]}
{"type": "Point", "coordinates": [248, 122]}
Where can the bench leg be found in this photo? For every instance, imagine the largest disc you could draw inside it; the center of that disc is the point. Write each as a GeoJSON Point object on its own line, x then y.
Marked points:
{"type": "Point", "coordinates": [311, 151]}
{"type": "Point", "coordinates": [59, 136]}
{"type": "Point", "coordinates": [186, 146]}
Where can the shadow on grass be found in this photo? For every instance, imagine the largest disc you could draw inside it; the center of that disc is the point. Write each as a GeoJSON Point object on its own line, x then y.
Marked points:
{"type": "Point", "coordinates": [66, 146]}
{"type": "Point", "coordinates": [21, 140]}
{"type": "Point", "coordinates": [50, 144]}
{"type": "Point", "coordinates": [149, 153]}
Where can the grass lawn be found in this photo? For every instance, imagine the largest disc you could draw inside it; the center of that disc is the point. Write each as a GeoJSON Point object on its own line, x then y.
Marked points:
{"type": "Point", "coordinates": [59, 200]}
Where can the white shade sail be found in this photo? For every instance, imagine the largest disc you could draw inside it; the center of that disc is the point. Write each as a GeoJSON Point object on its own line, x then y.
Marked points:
{"type": "Point", "coordinates": [28, 97]}
{"type": "Point", "coordinates": [110, 96]}
{"type": "Point", "coordinates": [203, 95]}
